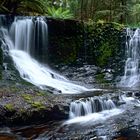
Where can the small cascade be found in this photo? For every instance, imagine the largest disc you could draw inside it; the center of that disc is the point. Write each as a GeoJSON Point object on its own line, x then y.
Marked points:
{"type": "Point", "coordinates": [91, 111]}
{"type": "Point", "coordinates": [96, 109]}
{"type": "Point", "coordinates": [91, 105]}
{"type": "Point", "coordinates": [28, 37]}
{"type": "Point", "coordinates": [131, 76]}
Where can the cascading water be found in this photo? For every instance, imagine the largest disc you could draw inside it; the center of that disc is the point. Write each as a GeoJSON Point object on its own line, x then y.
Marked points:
{"type": "Point", "coordinates": [23, 39]}
{"type": "Point", "coordinates": [90, 105]}
{"type": "Point", "coordinates": [96, 109]}
{"type": "Point", "coordinates": [131, 76]}
{"type": "Point", "coordinates": [86, 111]}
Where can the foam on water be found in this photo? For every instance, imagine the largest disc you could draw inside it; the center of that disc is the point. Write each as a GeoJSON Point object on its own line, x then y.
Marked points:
{"type": "Point", "coordinates": [42, 76]}
{"type": "Point", "coordinates": [90, 119]}
{"type": "Point", "coordinates": [91, 110]}
{"type": "Point", "coordinates": [131, 76]}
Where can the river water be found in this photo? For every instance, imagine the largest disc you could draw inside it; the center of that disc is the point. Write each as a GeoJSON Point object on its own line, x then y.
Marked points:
{"type": "Point", "coordinates": [112, 114]}
{"type": "Point", "coordinates": [119, 119]}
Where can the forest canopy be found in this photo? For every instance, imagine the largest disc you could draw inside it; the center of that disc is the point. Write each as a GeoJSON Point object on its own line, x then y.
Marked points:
{"type": "Point", "coordinates": [121, 11]}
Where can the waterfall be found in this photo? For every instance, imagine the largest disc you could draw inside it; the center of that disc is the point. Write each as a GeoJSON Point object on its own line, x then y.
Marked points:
{"type": "Point", "coordinates": [25, 37]}
{"type": "Point", "coordinates": [22, 34]}
{"type": "Point", "coordinates": [131, 76]}
{"type": "Point", "coordinates": [91, 105]}
{"type": "Point", "coordinates": [92, 109]}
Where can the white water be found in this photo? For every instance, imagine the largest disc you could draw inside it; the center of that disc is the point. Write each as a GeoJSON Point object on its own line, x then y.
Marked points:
{"type": "Point", "coordinates": [41, 76]}
{"type": "Point", "coordinates": [131, 76]}
{"type": "Point", "coordinates": [22, 34]}
{"type": "Point", "coordinates": [21, 41]}
{"type": "Point", "coordinates": [91, 111]}
{"type": "Point", "coordinates": [129, 100]}
{"type": "Point", "coordinates": [91, 119]}
{"type": "Point", "coordinates": [89, 106]}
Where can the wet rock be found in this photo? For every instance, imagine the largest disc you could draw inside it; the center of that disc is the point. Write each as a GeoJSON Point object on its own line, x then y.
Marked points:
{"type": "Point", "coordinates": [108, 76]}
{"type": "Point", "coordinates": [60, 112]}
{"type": "Point", "coordinates": [85, 73]}
{"type": "Point", "coordinates": [137, 94]}
{"type": "Point", "coordinates": [21, 105]}
{"type": "Point", "coordinates": [129, 93]}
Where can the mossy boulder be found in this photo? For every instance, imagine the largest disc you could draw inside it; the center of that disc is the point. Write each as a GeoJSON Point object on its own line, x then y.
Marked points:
{"type": "Point", "coordinates": [22, 105]}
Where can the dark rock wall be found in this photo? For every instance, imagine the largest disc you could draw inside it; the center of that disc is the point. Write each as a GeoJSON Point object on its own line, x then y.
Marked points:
{"type": "Point", "coordinates": [73, 42]}
{"type": "Point", "coordinates": [105, 46]}
{"type": "Point", "coordinates": [65, 40]}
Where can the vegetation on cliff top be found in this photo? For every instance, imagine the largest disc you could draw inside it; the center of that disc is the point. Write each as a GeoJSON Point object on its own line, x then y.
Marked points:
{"type": "Point", "coordinates": [122, 11]}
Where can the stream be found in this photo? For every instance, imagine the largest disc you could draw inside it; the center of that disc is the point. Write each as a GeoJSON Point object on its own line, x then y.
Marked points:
{"type": "Point", "coordinates": [97, 113]}
{"type": "Point", "coordinates": [119, 121]}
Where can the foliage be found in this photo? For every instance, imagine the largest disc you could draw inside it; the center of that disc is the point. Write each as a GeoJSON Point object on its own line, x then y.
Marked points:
{"type": "Point", "coordinates": [105, 53]}
{"type": "Point", "coordinates": [103, 43]}
{"type": "Point", "coordinates": [100, 78]}
{"type": "Point", "coordinates": [97, 43]}
{"type": "Point", "coordinates": [135, 12]}
{"type": "Point", "coordinates": [122, 11]}
{"type": "Point", "coordinates": [3, 9]}
{"type": "Point", "coordinates": [59, 13]}
{"type": "Point", "coordinates": [18, 7]}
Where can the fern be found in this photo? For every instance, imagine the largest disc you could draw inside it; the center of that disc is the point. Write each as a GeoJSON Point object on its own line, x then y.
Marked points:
{"type": "Point", "coordinates": [59, 13]}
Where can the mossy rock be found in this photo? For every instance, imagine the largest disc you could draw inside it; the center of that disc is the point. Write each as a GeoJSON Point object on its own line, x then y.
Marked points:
{"type": "Point", "coordinates": [97, 43]}
{"type": "Point", "coordinates": [38, 105]}
{"type": "Point", "coordinates": [9, 107]}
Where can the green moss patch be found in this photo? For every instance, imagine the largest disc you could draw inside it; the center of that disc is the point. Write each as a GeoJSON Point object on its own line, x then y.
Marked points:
{"type": "Point", "coordinates": [9, 107]}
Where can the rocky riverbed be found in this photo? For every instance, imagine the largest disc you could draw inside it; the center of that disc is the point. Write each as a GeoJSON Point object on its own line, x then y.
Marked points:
{"type": "Point", "coordinates": [27, 112]}
{"type": "Point", "coordinates": [22, 104]}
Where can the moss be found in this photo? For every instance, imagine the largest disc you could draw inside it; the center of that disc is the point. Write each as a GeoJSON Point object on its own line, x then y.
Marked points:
{"type": "Point", "coordinates": [38, 105]}
{"type": "Point", "coordinates": [105, 53]}
{"type": "Point", "coordinates": [65, 49]}
{"type": "Point", "coordinates": [14, 89]}
{"type": "Point", "coordinates": [96, 43]}
{"type": "Point", "coordinates": [103, 43]}
{"type": "Point", "coordinates": [27, 97]}
{"type": "Point", "coordinates": [30, 100]}
{"type": "Point", "coordinates": [118, 26]}
{"type": "Point", "coordinates": [42, 93]}
{"type": "Point", "coordinates": [9, 107]}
